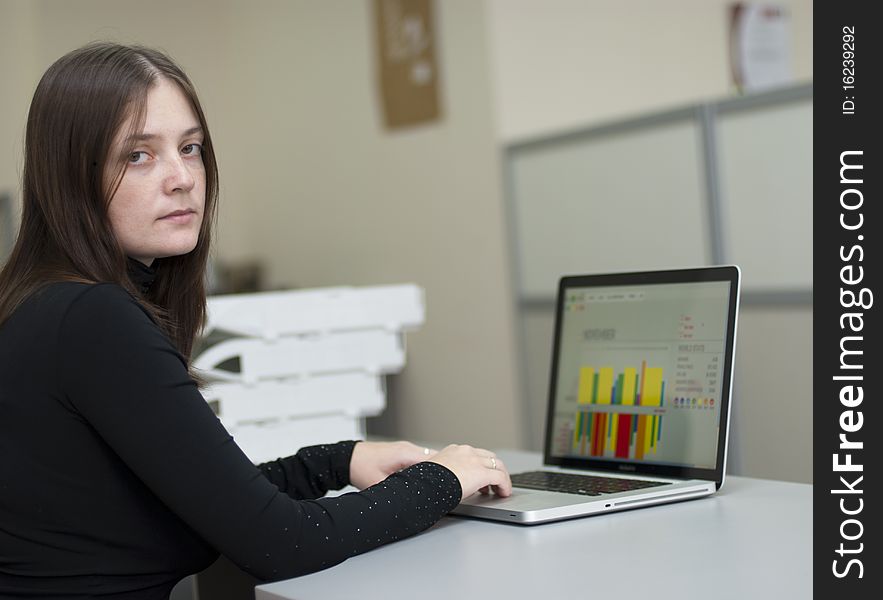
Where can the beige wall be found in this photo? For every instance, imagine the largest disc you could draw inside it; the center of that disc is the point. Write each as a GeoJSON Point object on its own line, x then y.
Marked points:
{"type": "Point", "coordinates": [560, 64]}
{"type": "Point", "coordinates": [358, 205]}
{"type": "Point", "coordinates": [314, 185]}
{"type": "Point", "coordinates": [16, 68]}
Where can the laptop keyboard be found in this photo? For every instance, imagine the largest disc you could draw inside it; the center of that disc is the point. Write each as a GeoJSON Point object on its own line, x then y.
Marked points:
{"type": "Point", "coordinates": [586, 485]}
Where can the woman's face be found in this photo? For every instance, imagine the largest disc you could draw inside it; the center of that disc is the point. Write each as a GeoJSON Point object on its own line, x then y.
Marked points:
{"type": "Point", "coordinates": [157, 209]}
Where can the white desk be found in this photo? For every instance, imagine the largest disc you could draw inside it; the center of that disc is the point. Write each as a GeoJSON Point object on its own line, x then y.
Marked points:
{"type": "Point", "coordinates": [753, 539]}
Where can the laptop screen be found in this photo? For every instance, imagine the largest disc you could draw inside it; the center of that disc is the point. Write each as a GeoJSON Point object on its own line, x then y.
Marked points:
{"type": "Point", "coordinates": [642, 371]}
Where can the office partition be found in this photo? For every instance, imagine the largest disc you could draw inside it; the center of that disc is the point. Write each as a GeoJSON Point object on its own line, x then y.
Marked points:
{"type": "Point", "coordinates": [764, 154]}
{"type": "Point", "coordinates": [719, 182]}
{"type": "Point", "coordinates": [598, 201]}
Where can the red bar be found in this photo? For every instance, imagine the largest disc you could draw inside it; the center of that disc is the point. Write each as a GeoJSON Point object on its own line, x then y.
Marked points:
{"type": "Point", "coordinates": [602, 443]}
{"type": "Point", "coordinates": [600, 434]}
{"type": "Point", "coordinates": [623, 433]}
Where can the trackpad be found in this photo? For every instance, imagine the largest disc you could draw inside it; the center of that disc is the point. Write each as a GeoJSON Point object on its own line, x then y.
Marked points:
{"type": "Point", "coordinates": [523, 499]}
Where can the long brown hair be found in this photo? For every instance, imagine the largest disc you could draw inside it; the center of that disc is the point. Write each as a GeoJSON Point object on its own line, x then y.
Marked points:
{"type": "Point", "coordinates": [81, 102]}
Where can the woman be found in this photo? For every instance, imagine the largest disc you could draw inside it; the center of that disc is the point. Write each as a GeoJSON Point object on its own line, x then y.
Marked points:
{"type": "Point", "coordinates": [115, 476]}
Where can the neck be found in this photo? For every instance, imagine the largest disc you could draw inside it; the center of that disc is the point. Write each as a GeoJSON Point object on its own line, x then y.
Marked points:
{"type": "Point", "coordinates": [141, 274]}
{"type": "Point", "coordinates": [144, 261]}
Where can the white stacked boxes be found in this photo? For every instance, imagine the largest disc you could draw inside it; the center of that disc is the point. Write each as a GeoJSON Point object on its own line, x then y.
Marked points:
{"type": "Point", "coordinates": [304, 367]}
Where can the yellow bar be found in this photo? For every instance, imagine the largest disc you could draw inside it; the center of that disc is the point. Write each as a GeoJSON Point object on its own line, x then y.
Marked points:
{"type": "Point", "coordinates": [652, 387]}
{"type": "Point", "coordinates": [605, 385]}
{"type": "Point", "coordinates": [648, 432]}
{"type": "Point", "coordinates": [639, 440]}
{"type": "Point", "coordinates": [586, 381]}
{"type": "Point", "coordinates": [630, 375]}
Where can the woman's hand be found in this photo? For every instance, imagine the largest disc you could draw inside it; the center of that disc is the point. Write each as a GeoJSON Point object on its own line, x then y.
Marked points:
{"type": "Point", "coordinates": [372, 462]}
{"type": "Point", "coordinates": [477, 469]}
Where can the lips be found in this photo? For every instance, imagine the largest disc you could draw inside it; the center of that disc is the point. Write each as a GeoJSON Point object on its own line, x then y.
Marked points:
{"type": "Point", "coordinates": [179, 213]}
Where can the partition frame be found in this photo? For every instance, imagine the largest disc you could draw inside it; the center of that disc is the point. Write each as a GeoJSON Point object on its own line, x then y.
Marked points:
{"type": "Point", "coordinates": [706, 117]}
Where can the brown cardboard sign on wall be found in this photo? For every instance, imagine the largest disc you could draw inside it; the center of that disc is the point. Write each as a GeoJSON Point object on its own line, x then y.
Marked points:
{"type": "Point", "coordinates": [408, 72]}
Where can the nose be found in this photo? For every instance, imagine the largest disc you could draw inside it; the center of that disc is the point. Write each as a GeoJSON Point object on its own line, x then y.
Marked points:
{"type": "Point", "coordinates": [178, 176]}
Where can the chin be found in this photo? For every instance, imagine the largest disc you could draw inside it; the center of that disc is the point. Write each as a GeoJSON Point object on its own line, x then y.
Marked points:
{"type": "Point", "coordinates": [177, 250]}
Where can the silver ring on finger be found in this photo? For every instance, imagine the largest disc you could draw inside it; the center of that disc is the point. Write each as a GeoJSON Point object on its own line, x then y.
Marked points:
{"type": "Point", "coordinates": [493, 463]}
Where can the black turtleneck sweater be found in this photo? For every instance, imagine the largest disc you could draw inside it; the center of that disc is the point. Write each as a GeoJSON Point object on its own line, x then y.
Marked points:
{"type": "Point", "coordinates": [117, 480]}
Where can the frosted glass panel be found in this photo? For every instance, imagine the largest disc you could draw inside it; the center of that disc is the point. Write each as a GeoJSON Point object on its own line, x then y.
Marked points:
{"type": "Point", "coordinates": [622, 201]}
{"type": "Point", "coordinates": [765, 159]}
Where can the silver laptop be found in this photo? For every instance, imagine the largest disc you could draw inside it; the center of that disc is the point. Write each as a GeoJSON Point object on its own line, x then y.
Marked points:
{"type": "Point", "coordinates": [638, 410]}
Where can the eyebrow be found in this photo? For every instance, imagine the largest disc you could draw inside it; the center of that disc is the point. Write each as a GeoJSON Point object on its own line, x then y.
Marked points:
{"type": "Point", "coordinates": [142, 137]}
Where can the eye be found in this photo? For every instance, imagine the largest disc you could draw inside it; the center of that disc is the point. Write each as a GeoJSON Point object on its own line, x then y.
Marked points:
{"type": "Point", "coordinates": [192, 150]}
{"type": "Point", "coordinates": [138, 157]}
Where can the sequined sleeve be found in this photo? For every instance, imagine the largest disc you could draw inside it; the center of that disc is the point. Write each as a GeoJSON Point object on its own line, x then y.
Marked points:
{"type": "Point", "coordinates": [313, 471]}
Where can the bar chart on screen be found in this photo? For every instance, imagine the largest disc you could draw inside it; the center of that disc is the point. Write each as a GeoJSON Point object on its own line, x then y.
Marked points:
{"type": "Point", "coordinates": [619, 414]}
{"type": "Point", "coordinates": [644, 402]}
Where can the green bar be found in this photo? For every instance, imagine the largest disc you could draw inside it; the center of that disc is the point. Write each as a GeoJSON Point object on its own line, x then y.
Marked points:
{"type": "Point", "coordinates": [595, 387]}
{"type": "Point", "coordinates": [579, 422]}
{"type": "Point", "coordinates": [653, 434]}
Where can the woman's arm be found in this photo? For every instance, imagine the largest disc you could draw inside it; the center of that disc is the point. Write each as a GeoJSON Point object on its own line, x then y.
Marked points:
{"type": "Point", "coordinates": [312, 471]}
{"type": "Point", "coordinates": [121, 374]}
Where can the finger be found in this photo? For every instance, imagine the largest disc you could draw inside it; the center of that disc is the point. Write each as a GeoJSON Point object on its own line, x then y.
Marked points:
{"type": "Point", "coordinates": [501, 491]}
{"type": "Point", "coordinates": [503, 488]}
{"type": "Point", "coordinates": [485, 490]}
{"type": "Point", "coordinates": [500, 481]}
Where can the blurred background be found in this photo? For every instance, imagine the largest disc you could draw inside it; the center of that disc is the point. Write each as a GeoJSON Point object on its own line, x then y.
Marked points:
{"type": "Point", "coordinates": [325, 180]}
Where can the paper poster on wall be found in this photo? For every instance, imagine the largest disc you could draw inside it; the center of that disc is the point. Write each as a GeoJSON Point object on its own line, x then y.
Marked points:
{"type": "Point", "coordinates": [407, 68]}
{"type": "Point", "coordinates": [760, 46]}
